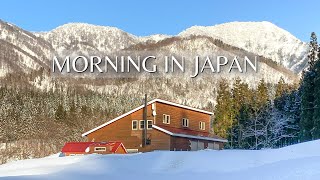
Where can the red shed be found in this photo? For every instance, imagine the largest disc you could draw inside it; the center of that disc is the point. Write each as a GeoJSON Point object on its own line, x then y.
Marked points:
{"type": "Point", "coordinates": [81, 148]}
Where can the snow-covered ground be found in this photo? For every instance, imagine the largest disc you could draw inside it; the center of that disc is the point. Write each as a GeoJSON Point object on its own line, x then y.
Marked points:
{"type": "Point", "coordinates": [301, 161]}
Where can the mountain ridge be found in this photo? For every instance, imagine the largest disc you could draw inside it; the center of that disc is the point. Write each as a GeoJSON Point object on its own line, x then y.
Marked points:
{"type": "Point", "coordinates": [86, 38]}
{"type": "Point", "coordinates": [261, 38]}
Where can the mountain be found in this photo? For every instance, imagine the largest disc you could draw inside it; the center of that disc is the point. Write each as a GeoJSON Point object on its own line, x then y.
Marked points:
{"type": "Point", "coordinates": [154, 38]}
{"type": "Point", "coordinates": [22, 51]}
{"type": "Point", "coordinates": [262, 38]}
{"type": "Point", "coordinates": [86, 37]}
{"type": "Point", "coordinates": [281, 55]}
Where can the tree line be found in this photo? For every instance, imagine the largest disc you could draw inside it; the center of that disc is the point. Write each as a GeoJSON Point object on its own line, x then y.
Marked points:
{"type": "Point", "coordinates": [271, 116]}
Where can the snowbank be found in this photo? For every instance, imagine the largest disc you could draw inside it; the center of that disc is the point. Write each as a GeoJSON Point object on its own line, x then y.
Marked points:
{"type": "Point", "coordinates": [301, 161]}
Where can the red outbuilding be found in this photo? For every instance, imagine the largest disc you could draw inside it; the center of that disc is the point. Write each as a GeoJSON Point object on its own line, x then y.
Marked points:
{"type": "Point", "coordinates": [81, 148]}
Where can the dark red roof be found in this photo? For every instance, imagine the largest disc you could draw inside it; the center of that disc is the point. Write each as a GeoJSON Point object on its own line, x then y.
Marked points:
{"type": "Point", "coordinates": [76, 147]}
{"type": "Point", "coordinates": [80, 147]}
{"type": "Point", "coordinates": [186, 131]}
{"type": "Point", "coordinates": [115, 146]}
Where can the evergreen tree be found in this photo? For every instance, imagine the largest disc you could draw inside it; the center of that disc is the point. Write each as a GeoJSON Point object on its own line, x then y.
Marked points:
{"type": "Point", "coordinates": [243, 118]}
{"type": "Point", "coordinates": [261, 96]}
{"type": "Point", "coordinates": [224, 114]}
{"type": "Point", "coordinates": [308, 92]}
{"type": "Point", "coordinates": [316, 113]}
{"type": "Point", "coordinates": [259, 110]}
{"type": "Point", "coordinates": [313, 52]}
{"type": "Point", "coordinates": [60, 114]}
{"type": "Point", "coordinates": [240, 94]}
{"type": "Point", "coordinates": [281, 89]}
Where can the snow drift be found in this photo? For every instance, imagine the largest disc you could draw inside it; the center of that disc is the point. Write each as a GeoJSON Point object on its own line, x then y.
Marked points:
{"type": "Point", "coordinates": [301, 161]}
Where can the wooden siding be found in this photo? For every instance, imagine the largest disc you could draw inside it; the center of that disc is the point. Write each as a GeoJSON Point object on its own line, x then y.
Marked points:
{"type": "Point", "coordinates": [121, 130]}
{"type": "Point", "coordinates": [176, 115]}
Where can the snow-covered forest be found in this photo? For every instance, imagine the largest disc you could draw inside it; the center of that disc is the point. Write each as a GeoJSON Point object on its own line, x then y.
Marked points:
{"type": "Point", "coordinates": [271, 116]}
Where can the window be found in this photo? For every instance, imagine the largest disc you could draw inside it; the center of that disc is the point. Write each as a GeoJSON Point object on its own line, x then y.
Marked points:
{"type": "Point", "coordinates": [185, 122]}
{"type": "Point", "coordinates": [134, 125]}
{"type": "Point", "coordinates": [132, 150]}
{"type": "Point", "coordinates": [141, 124]}
{"type": "Point", "coordinates": [166, 119]}
{"type": "Point", "coordinates": [100, 148]}
{"type": "Point", "coordinates": [149, 122]}
{"type": "Point", "coordinates": [202, 125]}
{"type": "Point", "coordinates": [148, 141]}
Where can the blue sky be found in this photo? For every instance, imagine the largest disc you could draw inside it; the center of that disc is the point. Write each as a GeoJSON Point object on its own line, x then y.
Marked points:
{"type": "Point", "coordinates": [163, 16]}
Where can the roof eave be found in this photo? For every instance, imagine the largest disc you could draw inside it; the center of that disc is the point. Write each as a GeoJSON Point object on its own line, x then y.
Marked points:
{"type": "Point", "coordinates": [189, 136]}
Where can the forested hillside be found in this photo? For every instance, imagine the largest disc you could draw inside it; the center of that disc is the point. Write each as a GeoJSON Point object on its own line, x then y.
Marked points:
{"type": "Point", "coordinates": [271, 116]}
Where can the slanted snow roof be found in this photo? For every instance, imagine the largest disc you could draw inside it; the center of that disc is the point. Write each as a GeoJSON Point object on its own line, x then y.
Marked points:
{"type": "Point", "coordinates": [81, 147]}
{"type": "Point", "coordinates": [140, 107]}
{"type": "Point", "coordinates": [116, 146]}
{"type": "Point", "coordinates": [189, 133]}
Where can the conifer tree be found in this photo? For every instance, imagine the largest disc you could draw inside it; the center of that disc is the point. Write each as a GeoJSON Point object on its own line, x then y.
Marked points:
{"type": "Point", "coordinates": [60, 114]}
{"type": "Point", "coordinates": [261, 96]}
{"type": "Point", "coordinates": [316, 114]}
{"type": "Point", "coordinates": [307, 92]}
{"type": "Point", "coordinates": [281, 89]}
{"type": "Point", "coordinates": [243, 119]}
{"type": "Point", "coordinates": [224, 114]}
{"type": "Point", "coordinates": [240, 94]}
{"type": "Point", "coordinates": [314, 50]}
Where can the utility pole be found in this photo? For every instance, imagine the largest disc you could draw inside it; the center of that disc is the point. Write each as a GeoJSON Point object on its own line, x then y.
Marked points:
{"type": "Point", "coordinates": [144, 137]}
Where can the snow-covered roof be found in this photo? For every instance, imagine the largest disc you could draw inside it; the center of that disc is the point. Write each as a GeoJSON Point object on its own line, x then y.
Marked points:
{"type": "Point", "coordinates": [140, 107]}
{"type": "Point", "coordinates": [82, 147]}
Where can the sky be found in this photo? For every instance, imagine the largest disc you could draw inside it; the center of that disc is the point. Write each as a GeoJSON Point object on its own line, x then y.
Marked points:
{"type": "Point", "coordinates": [170, 17]}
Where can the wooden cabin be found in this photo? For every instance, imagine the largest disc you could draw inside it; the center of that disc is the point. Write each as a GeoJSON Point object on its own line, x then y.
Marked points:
{"type": "Point", "coordinates": [169, 126]}
{"type": "Point", "coordinates": [81, 148]}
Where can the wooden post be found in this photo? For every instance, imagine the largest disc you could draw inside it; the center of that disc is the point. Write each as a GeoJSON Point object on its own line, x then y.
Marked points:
{"type": "Point", "coordinates": [144, 139]}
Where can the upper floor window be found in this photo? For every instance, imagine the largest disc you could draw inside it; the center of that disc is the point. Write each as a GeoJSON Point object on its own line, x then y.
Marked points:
{"type": "Point", "coordinates": [134, 125]}
{"type": "Point", "coordinates": [185, 122]}
{"type": "Point", "coordinates": [202, 125]}
{"type": "Point", "coordinates": [141, 124]}
{"type": "Point", "coordinates": [166, 119]}
{"type": "Point", "coordinates": [149, 124]}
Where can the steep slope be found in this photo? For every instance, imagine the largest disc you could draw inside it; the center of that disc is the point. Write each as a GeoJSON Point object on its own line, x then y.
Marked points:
{"type": "Point", "coordinates": [83, 37]}
{"type": "Point", "coordinates": [22, 51]}
{"type": "Point", "coordinates": [178, 86]}
{"type": "Point", "coordinates": [262, 38]}
{"type": "Point", "coordinates": [203, 41]}
{"type": "Point", "coordinates": [154, 38]}
{"type": "Point", "coordinates": [203, 46]}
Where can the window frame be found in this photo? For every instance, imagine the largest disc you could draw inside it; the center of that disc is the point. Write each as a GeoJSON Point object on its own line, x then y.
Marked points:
{"type": "Point", "coordinates": [104, 149]}
{"type": "Point", "coordinates": [185, 122]}
{"type": "Point", "coordinates": [166, 119]}
{"type": "Point", "coordinates": [137, 124]}
{"type": "Point", "coordinates": [148, 124]}
{"type": "Point", "coordinates": [202, 125]}
{"type": "Point", "coordinates": [144, 126]}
